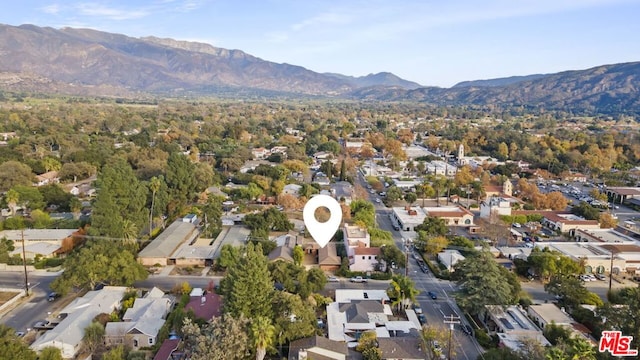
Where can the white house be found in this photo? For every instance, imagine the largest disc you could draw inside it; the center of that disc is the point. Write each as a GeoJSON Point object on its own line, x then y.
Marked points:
{"type": "Point", "coordinates": [291, 189]}
{"type": "Point", "coordinates": [67, 335]}
{"type": "Point", "coordinates": [498, 205]}
{"type": "Point", "coordinates": [449, 258]}
{"type": "Point", "coordinates": [141, 323]}
{"type": "Point", "coordinates": [364, 259]}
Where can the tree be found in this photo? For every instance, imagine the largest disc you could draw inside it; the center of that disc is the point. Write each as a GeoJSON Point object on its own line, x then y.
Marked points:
{"type": "Point", "coordinates": [390, 254]}
{"type": "Point", "coordinates": [14, 173]}
{"type": "Point", "coordinates": [11, 198]}
{"type": "Point", "coordinates": [293, 318]}
{"type": "Point", "coordinates": [13, 347]}
{"type": "Point", "coordinates": [229, 255]}
{"type": "Point", "coordinates": [120, 196]}
{"type": "Point", "coordinates": [29, 197]}
{"type": "Point", "coordinates": [570, 290]}
{"type": "Point", "coordinates": [41, 220]}
{"type": "Point", "coordinates": [116, 353]}
{"type": "Point", "coordinates": [50, 353]}
{"type": "Point", "coordinates": [607, 221]}
{"type": "Point", "coordinates": [482, 283]}
{"type": "Point", "coordinates": [180, 179]}
{"type": "Point", "coordinates": [98, 261]}
{"type": "Point", "coordinates": [212, 212]}
{"type": "Point", "coordinates": [403, 290]}
{"type": "Point", "coordinates": [433, 226]}
{"type": "Point", "coordinates": [394, 194]}
{"type": "Point", "coordinates": [298, 255]}
{"type": "Point", "coordinates": [431, 336]}
{"type": "Point", "coordinates": [248, 286]}
{"type": "Point", "coordinates": [432, 245]}
{"type": "Point", "coordinates": [224, 338]}
{"type": "Point", "coordinates": [411, 197]}
{"type": "Point", "coordinates": [154, 185]}
{"type": "Point", "coordinates": [93, 336]}
{"type": "Point", "coordinates": [316, 279]}
{"type": "Point", "coordinates": [556, 201]}
{"type": "Point", "coordinates": [263, 333]}
{"type": "Point", "coordinates": [368, 346]}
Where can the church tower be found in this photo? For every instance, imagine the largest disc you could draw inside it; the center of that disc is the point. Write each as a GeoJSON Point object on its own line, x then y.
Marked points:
{"type": "Point", "coordinates": [507, 187]}
{"type": "Point", "coordinates": [461, 154]}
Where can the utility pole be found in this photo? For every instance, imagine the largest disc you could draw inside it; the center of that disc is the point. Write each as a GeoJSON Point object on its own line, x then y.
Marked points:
{"type": "Point", "coordinates": [611, 271]}
{"type": "Point", "coordinates": [452, 321]}
{"type": "Point", "coordinates": [24, 264]}
{"type": "Point", "coordinates": [406, 263]}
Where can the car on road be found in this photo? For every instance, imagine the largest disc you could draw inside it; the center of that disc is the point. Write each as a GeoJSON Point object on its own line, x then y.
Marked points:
{"type": "Point", "coordinates": [600, 277]}
{"type": "Point", "coordinates": [19, 333]}
{"type": "Point", "coordinates": [378, 200]}
{"type": "Point", "coordinates": [466, 329]}
{"type": "Point", "coordinates": [424, 268]}
{"type": "Point", "coordinates": [358, 279]}
{"type": "Point", "coordinates": [433, 295]}
{"type": "Point", "coordinates": [332, 279]}
{"type": "Point", "coordinates": [52, 296]}
{"type": "Point", "coordinates": [422, 319]}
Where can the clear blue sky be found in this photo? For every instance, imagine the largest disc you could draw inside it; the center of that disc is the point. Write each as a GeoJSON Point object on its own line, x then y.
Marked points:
{"type": "Point", "coordinates": [432, 42]}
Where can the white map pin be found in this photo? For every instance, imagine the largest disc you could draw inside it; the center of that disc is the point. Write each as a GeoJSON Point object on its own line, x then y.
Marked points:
{"type": "Point", "coordinates": [322, 232]}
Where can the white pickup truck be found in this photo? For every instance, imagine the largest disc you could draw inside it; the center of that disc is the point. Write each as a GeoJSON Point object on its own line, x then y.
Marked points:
{"type": "Point", "coordinates": [358, 279]}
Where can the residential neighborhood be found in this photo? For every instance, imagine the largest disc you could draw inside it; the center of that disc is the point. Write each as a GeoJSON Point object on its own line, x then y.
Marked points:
{"type": "Point", "coordinates": [446, 249]}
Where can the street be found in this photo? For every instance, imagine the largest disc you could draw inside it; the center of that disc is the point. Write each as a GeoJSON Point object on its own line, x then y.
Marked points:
{"type": "Point", "coordinates": [33, 309]}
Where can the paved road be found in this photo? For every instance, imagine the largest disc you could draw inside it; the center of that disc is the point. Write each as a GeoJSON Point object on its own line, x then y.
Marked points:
{"type": "Point", "coordinates": [33, 309]}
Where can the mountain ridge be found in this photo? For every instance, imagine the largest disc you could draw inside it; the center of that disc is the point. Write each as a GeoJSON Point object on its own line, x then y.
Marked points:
{"type": "Point", "coordinates": [91, 62]}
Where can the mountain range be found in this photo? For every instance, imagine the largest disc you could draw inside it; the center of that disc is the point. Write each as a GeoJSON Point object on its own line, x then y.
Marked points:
{"type": "Point", "coordinates": [89, 62]}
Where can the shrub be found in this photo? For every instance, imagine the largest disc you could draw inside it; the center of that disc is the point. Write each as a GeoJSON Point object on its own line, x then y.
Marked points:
{"type": "Point", "coordinates": [485, 340]}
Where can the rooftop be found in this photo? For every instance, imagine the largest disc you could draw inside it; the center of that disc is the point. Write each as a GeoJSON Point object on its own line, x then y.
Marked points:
{"type": "Point", "coordinates": [167, 242]}
{"type": "Point", "coordinates": [551, 313]}
{"type": "Point", "coordinates": [37, 234]}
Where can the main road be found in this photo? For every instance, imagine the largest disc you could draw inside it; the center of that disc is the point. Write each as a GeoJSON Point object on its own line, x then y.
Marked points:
{"type": "Point", "coordinates": [436, 310]}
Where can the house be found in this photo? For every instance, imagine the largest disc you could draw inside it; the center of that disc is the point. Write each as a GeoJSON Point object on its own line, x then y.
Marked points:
{"type": "Point", "coordinates": [545, 314]}
{"type": "Point", "coordinates": [318, 347]}
{"type": "Point", "coordinates": [452, 215]}
{"type": "Point", "coordinates": [328, 259]}
{"type": "Point", "coordinates": [260, 153]}
{"type": "Point", "coordinates": [449, 258]}
{"type": "Point", "coordinates": [161, 248]}
{"type": "Point", "coordinates": [67, 335]}
{"type": "Point", "coordinates": [365, 259]}
{"type": "Point", "coordinates": [141, 323]}
{"type": "Point", "coordinates": [408, 217]}
{"type": "Point", "coordinates": [620, 195]}
{"type": "Point", "coordinates": [168, 350]}
{"type": "Point", "coordinates": [495, 205]}
{"type": "Point", "coordinates": [402, 348]}
{"type": "Point", "coordinates": [342, 191]}
{"type": "Point", "coordinates": [204, 305]}
{"type": "Point", "coordinates": [43, 242]}
{"type": "Point", "coordinates": [50, 177]}
{"type": "Point", "coordinates": [357, 311]}
{"type": "Point", "coordinates": [356, 242]}
{"type": "Point", "coordinates": [292, 189]}
{"type": "Point", "coordinates": [512, 326]}
{"type": "Point", "coordinates": [565, 222]}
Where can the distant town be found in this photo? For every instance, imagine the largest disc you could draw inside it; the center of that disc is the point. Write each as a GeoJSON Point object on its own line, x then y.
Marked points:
{"type": "Point", "coordinates": [174, 230]}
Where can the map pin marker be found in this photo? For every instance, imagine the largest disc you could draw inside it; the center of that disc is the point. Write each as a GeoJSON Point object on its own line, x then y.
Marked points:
{"type": "Point", "coordinates": [322, 232]}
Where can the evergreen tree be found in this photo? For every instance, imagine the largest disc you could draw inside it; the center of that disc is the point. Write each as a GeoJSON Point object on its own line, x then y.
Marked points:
{"type": "Point", "coordinates": [248, 285]}
{"type": "Point", "coordinates": [181, 180]}
{"type": "Point", "coordinates": [120, 196]}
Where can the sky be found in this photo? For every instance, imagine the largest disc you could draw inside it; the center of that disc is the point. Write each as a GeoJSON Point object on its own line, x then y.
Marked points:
{"type": "Point", "coordinates": [431, 42]}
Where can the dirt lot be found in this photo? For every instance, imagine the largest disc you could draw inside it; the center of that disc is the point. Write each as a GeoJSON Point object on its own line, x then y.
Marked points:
{"type": "Point", "coordinates": [6, 296]}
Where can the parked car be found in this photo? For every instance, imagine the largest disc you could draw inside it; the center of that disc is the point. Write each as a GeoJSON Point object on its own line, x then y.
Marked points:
{"type": "Point", "coordinates": [332, 279]}
{"type": "Point", "coordinates": [433, 295]}
{"type": "Point", "coordinates": [358, 279]}
{"type": "Point", "coordinates": [417, 309]}
{"type": "Point", "coordinates": [422, 319]}
{"type": "Point", "coordinates": [600, 277]}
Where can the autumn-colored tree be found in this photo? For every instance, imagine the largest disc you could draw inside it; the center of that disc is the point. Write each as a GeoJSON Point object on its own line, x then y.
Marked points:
{"type": "Point", "coordinates": [556, 201]}
{"type": "Point", "coordinates": [607, 221]}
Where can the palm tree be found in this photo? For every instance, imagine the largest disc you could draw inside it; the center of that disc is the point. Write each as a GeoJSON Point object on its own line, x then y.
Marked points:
{"type": "Point", "coordinates": [449, 183]}
{"type": "Point", "coordinates": [403, 289]}
{"type": "Point", "coordinates": [12, 197]}
{"type": "Point", "coordinates": [154, 186]}
{"type": "Point", "coordinates": [129, 234]}
{"type": "Point", "coordinates": [263, 335]}
{"type": "Point", "coordinates": [582, 350]}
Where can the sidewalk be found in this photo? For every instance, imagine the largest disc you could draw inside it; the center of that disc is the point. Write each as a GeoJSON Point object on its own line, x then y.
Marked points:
{"type": "Point", "coordinates": [166, 270]}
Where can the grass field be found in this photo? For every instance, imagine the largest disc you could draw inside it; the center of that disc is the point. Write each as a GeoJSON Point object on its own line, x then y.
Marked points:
{"type": "Point", "coordinates": [6, 296]}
